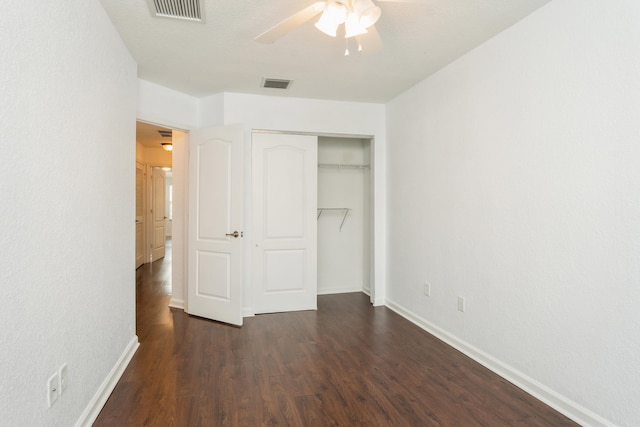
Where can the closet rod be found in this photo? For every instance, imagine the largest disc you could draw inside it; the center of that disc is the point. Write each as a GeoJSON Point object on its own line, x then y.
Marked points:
{"type": "Point", "coordinates": [341, 166]}
{"type": "Point", "coordinates": [344, 218]}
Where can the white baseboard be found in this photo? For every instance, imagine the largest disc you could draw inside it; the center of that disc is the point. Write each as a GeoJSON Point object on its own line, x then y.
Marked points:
{"type": "Point", "coordinates": [248, 312]}
{"type": "Point", "coordinates": [571, 409]}
{"type": "Point", "coordinates": [176, 303]}
{"type": "Point", "coordinates": [98, 401]}
{"type": "Point", "coordinates": [379, 302]}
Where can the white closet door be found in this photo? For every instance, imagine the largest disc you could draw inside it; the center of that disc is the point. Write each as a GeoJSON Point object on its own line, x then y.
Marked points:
{"type": "Point", "coordinates": [285, 186]}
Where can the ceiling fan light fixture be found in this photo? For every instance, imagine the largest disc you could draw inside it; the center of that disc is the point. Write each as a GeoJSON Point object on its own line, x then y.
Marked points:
{"type": "Point", "coordinates": [352, 26]}
{"type": "Point", "coordinates": [333, 15]}
{"type": "Point", "coordinates": [367, 12]}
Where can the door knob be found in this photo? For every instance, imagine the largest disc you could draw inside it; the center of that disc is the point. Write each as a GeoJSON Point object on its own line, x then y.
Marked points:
{"type": "Point", "coordinates": [234, 234]}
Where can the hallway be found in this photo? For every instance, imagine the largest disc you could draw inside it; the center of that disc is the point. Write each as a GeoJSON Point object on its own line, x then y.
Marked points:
{"type": "Point", "coordinates": [346, 364]}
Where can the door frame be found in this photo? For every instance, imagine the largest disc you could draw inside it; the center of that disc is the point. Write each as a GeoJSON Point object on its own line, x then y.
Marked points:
{"type": "Point", "coordinates": [373, 295]}
{"type": "Point", "coordinates": [143, 216]}
{"type": "Point", "coordinates": [147, 190]}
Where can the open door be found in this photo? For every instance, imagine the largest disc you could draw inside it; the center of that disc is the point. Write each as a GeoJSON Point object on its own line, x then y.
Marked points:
{"type": "Point", "coordinates": [285, 199]}
{"type": "Point", "coordinates": [158, 213]}
{"type": "Point", "coordinates": [215, 224]}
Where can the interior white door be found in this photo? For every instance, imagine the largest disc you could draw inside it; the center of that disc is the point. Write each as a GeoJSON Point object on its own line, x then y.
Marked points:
{"type": "Point", "coordinates": [139, 214]}
{"type": "Point", "coordinates": [158, 213]}
{"type": "Point", "coordinates": [215, 224]}
{"type": "Point", "coordinates": [285, 187]}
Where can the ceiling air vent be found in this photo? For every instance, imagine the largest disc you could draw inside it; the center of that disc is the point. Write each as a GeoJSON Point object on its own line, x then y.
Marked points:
{"type": "Point", "coordinates": [180, 9]}
{"type": "Point", "coordinates": [276, 83]}
{"type": "Point", "coordinates": [165, 133]}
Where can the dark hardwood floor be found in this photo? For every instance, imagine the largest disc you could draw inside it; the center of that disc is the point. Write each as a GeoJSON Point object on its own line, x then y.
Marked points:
{"type": "Point", "coordinates": [347, 364]}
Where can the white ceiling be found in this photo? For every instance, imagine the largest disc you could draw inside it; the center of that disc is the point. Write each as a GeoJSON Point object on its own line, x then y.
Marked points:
{"type": "Point", "coordinates": [414, 39]}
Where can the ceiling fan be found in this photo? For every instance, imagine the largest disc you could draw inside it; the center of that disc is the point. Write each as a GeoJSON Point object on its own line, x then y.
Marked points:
{"type": "Point", "coordinates": [358, 16]}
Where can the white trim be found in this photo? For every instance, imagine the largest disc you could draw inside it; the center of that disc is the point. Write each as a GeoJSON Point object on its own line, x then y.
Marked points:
{"type": "Point", "coordinates": [248, 312]}
{"type": "Point", "coordinates": [98, 401]}
{"type": "Point", "coordinates": [571, 409]}
{"type": "Point", "coordinates": [176, 303]}
{"type": "Point", "coordinates": [380, 302]}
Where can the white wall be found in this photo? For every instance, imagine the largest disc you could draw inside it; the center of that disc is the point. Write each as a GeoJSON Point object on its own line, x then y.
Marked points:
{"type": "Point", "coordinates": [67, 119]}
{"type": "Point", "coordinates": [307, 116]}
{"type": "Point", "coordinates": [514, 182]}
{"type": "Point", "coordinates": [139, 152]}
{"type": "Point", "coordinates": [211, 111]}
{"type": "Point", "coordinates": [160, 105]}
{"type": "Point", "coordinates": [343, 256]}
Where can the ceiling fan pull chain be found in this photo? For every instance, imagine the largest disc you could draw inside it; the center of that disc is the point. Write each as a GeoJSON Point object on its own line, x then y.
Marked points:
{"type": "Point", "coordinates": [346, 47]}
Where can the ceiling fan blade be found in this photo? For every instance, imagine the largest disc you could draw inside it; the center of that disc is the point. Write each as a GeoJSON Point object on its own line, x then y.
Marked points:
{"type": "Point", "coordinates": [291, 23]}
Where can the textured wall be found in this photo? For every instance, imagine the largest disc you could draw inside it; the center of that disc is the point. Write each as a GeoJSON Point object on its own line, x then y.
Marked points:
{"type": "Point", "coordinates": [67, 120]}
{"type": "Point", "coordinates": [160, 105]}
{"type": "Point", "coordinates": [514, 182]}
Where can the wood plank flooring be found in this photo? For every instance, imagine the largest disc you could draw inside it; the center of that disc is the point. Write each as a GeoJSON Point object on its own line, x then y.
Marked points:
{"type": "Point", "coordinates": [346, 364]}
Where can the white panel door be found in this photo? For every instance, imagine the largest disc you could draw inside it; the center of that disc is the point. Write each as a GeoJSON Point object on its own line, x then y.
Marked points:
{"type": "Point", "coordinates": [158, 213]}
{"type": "Point", "coordinates": [139, 214]}
{"type": "Point", "coordinates": [215, 224]}
{"type": "Point", "coordinates": [285, 187]}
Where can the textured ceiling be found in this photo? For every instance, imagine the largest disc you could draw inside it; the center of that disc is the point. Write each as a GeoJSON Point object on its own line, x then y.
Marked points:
{"type": "Point", "coordinates": [413, 39]}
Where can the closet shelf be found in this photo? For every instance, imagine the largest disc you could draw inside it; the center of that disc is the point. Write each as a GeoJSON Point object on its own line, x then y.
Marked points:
{"type": "Point", "coordinates": [344, 217]}
{"type": "Point", "coordinates": [341, 166]}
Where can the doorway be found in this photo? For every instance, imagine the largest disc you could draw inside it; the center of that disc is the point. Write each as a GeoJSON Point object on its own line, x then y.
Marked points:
{"type": "Point", "coordinates": [153, 191]}
{"type": "Point", "coordinates": [344, 215]}
{"type": "Point", "coordinates": [312, 219]}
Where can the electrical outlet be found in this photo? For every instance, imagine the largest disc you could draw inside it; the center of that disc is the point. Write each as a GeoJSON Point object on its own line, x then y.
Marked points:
{"type": "Point", "coordinates": [53, 389]}
{"type": "Point", "coordinates": [64, 379]}
{"type": "Point", "coordinates": [427, 289]}
{"type": "Point", "coordinates": [461, 304]}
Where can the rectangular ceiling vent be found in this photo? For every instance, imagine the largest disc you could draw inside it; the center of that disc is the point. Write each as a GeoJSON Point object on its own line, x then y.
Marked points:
{"type": "Point", "coordinates": [165, 133]}
{"type": "Point", "coordinates": [276, 83]}
{"type": "Point", "coordinates": [190, 10]}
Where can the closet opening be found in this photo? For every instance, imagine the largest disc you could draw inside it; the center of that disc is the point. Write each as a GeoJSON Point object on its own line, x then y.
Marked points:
{"type": "Point", "coordinates": [344, 215]}
{"type": "Point", "coordinates": [312, 219]}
